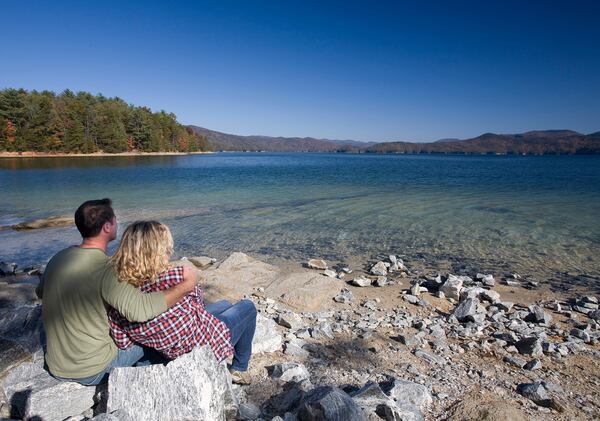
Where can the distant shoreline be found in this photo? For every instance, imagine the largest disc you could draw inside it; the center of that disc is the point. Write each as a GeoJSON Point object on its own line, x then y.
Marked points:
{"type": "Point", "coordinates": [95, 154]}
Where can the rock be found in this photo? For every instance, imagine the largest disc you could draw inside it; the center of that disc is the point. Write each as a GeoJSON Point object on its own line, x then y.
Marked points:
{"type": "Point", "coordinates": [11, 355]}
{"type": "Point", "coordinates": [202, 261]}
{"type": "Point", "coordinates": [266, 338]}
{"type": "Point", "coordinates": [370, 304]}
{"type": "Point", "coordinates": [408, 339]}
{"type": "Point", "coordinates": [377, 405]}
{"type": "Point", "coordinates": [53, 221]}
{"type": "Point", "coordinates": [581, 334]}
{"type": "Point", "coordinates": [488, 280]}
{"type": "Point", "coordinates": [534, 364]}
{"type": "Point", "coordinates": [594, 314]}
{"type": "Point", "coordinates": [505, 305]}
{"type": "Point", "coordinates": [360, 281]}
{"type": "Point", "coordinates": [327, 403]}
{"type": "Point", "coordinates": [345, 296]}
{"type": "Point", "coordinates": [289, 320]}
{"type": "Point", "coordinates": [317, 264]}
{"type": "Point", "coordinates": [411, 298]}
{"type": "Point", "coordinates": [515, 361]}
{"type": "Point", "coordinates": [381, 281]}
{"type": "Point", "coordinates": [294, 349]}
{"type": "Point", "coordinates": [34, 394]}
{"type": "Point", "coordinates": [113, 416]}
{"type": "Point", "coordinates": [406, 393]}
{"type": "Point", "coordinates": [538, 315]}
{"type": "Point", "coordinates": [379, 268]}
{"type": "Point", "coordinates": [430, 358]}
{"type": "Point", "coordinates": [289, 372]}
{"type": "Point", "coordinates": [330, 273]}
{"type": "Point", "coordinates": [535, 392]}
{"type": "Point", "coordinates": [193, 386]}
{"type": "Point", "coordinates": [466, 310]}
{"type": "Point", "coordinates": [7, 269]}
{"type": "Point", "coordinates": [530, 346]}
{"type": "Point", "coordinates": [451, 288]}
{"type": "Point", "coordinates": [248, 411]}
{"type": "Point", "coordinates": [491, 296]}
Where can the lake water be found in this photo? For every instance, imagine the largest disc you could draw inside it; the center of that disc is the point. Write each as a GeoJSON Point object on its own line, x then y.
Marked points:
{"type": "Point", "coordinates": [538, 216]}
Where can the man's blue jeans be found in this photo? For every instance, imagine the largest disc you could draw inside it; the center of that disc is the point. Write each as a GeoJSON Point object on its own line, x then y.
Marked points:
{"type": "Point", "coordinates": [125, 358]}
{"type": "Point", "coordinates": [240, 318]}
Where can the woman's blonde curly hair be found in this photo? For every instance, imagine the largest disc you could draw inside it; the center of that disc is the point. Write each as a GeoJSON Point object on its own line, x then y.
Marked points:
{"type": "Point", "coordinates": [143, 253]}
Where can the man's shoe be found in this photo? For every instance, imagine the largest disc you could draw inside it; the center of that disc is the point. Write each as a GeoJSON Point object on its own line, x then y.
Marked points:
{"type": "Point", "coordinates": [240, 377]}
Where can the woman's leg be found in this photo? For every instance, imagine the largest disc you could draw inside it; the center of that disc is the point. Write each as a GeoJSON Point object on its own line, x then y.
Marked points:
{"type": "Point", "coordinates": [241, 321]}
{"type": "Point", "coordinates": [217, 307]}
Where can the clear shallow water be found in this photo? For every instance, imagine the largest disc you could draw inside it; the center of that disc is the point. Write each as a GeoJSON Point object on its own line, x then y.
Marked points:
{"type": "Point", "coordinates": [533, 215]}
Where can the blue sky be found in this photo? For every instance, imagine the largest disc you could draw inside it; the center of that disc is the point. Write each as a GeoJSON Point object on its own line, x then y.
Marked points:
{"type": "Point", "coordinates": [376, 71]}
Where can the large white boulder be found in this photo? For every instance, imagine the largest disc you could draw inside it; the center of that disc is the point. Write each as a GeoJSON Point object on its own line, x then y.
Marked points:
{"type": "Point", "coordinates": [192, 387]}
{"type": "Point", "coordinates": [34, 394]}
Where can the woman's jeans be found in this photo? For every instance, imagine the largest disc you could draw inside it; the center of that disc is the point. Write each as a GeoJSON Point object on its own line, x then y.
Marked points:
{"type": "Point", "coordinates": [134, 355]}
{"type": "Point", "coordinates": [240, 318]}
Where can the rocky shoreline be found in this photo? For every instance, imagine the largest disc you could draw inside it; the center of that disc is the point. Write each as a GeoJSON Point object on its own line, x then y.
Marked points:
{"type": "Point", "coordinates": [385, 341]}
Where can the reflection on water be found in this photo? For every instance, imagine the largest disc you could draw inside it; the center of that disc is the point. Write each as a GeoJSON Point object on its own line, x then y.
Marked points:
{"type": "Point", "coordinates": [534, 215]}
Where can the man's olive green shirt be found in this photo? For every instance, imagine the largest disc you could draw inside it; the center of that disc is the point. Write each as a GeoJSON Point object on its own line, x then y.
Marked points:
{"type": "Point", "coordinates": [77, 287]}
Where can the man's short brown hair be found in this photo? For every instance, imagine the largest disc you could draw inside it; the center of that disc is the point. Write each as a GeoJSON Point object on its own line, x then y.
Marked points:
{"type": "Point", "coordinates": [91, 216]}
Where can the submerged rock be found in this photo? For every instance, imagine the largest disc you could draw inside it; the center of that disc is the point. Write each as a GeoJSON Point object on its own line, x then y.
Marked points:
{"type": "Point", "coordinates": [202, 261]}
{"type": "Point", "coordinates": [53, 221]}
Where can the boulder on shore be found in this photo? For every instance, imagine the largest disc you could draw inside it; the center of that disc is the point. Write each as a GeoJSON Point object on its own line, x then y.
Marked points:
{"type": "Point", "coordinates": [192, 387]}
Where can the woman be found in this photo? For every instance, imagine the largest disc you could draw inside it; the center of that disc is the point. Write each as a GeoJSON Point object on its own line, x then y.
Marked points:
{"type": "Point", "coordinates": [142, 260]}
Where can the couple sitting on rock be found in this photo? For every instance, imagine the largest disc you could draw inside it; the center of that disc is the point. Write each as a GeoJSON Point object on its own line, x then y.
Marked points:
{"type": "Point", "coordinates": [133, 308]}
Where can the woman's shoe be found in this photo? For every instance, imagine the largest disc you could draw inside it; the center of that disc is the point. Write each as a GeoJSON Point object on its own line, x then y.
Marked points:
{"type": "Point", "coordinates": [240, 377]}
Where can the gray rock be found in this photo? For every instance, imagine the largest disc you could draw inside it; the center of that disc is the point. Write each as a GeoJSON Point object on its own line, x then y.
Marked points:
{"type": "Point", "coordinates": [345, 296]}
{"type": "Point", "coordinates": [266, 338]}
{"type": "Point", "coordinates": [7, 269]}
{"type": "Point", "coordinates": [317, 264]}
{"type": "Point", "coordinates": [328, 403]}
{"type": "Point", "coordinates": [466, 310]}
{"type": "Point", "coordinates": [530, 346]}
{"type": "Point", "coordinates": [581, 334]}
{"type": "Point", "coordinates": [381, 281]}
{"type": "Point", "coordinates": [289, 372]}
{"type": "Point", "coordinates": [430, 358]}
{"type": "Point", "coordinates": [248, 411]}
{"type": "Point", "coordinates": [360, 281]}
{"type": "Point", "coordinates": [406, 393]}
{"type": "Point", "coordinates": [379, 268]}
{"type": "Point", "coordinates": [534, 364]}
{"type": "Point", "coordinates": [330, 273]}
{"type": "Point", "coordinates": [202, 261]}
{"type": "Point", "coordinates": [11, 355]}
{"type": "Point", "coordinates": [594, 314]}
{"type": "Point", "coordinates": [451, 288]}
{"type": "Point", "coordinates": [294, 349]}
{"type": "Point", "coordinates": [193, 386]}
{"type": "Point", "coordinates": [289, 320]}
{"type": "Point", "coordinates": [515, 361]}
{"type": "Point", "coordinates": [505, 305]}
{"type": "Point", "coordinates": [491, 296]}
{"type": "Point", "coordinates": [411, 298]}
{"type": "Point", "coordinates": [488, 280]}
{"type": "Point", "coordinates": [113, 416]}
{"type": "Point", "coordinates": [538, 315]}
{"type": "Point", "coordinates": [408, 339]}
{"type": "Point", "coordinates": [34, 394]}
{"type": "Point", "coordinates": [377, 405]}
{"type": "Point", "coordinates": [537, 393]}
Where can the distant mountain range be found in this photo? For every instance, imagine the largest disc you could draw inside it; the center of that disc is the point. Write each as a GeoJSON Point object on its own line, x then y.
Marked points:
{"type": "Point", "coordinates": [534, 142]}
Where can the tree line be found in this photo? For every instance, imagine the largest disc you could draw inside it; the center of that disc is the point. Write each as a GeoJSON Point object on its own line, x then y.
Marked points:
{"type": "Point", "coordinates": [85, 123]}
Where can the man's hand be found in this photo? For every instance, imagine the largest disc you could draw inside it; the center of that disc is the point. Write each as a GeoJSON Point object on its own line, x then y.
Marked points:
{"type": "Point", "coordinates": [191, 277]}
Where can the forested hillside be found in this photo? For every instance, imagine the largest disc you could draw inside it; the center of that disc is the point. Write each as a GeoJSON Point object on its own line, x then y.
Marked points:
{"type": "Point", "coordinates": [85, 123]}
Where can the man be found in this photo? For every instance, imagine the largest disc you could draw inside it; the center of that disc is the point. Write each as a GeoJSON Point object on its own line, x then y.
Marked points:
{"type": "Point", "coordinates": [76, 289]}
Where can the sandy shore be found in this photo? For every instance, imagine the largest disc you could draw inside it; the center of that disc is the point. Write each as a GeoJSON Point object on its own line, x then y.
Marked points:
{"type": "Point", "coordinates": [67, 155]}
